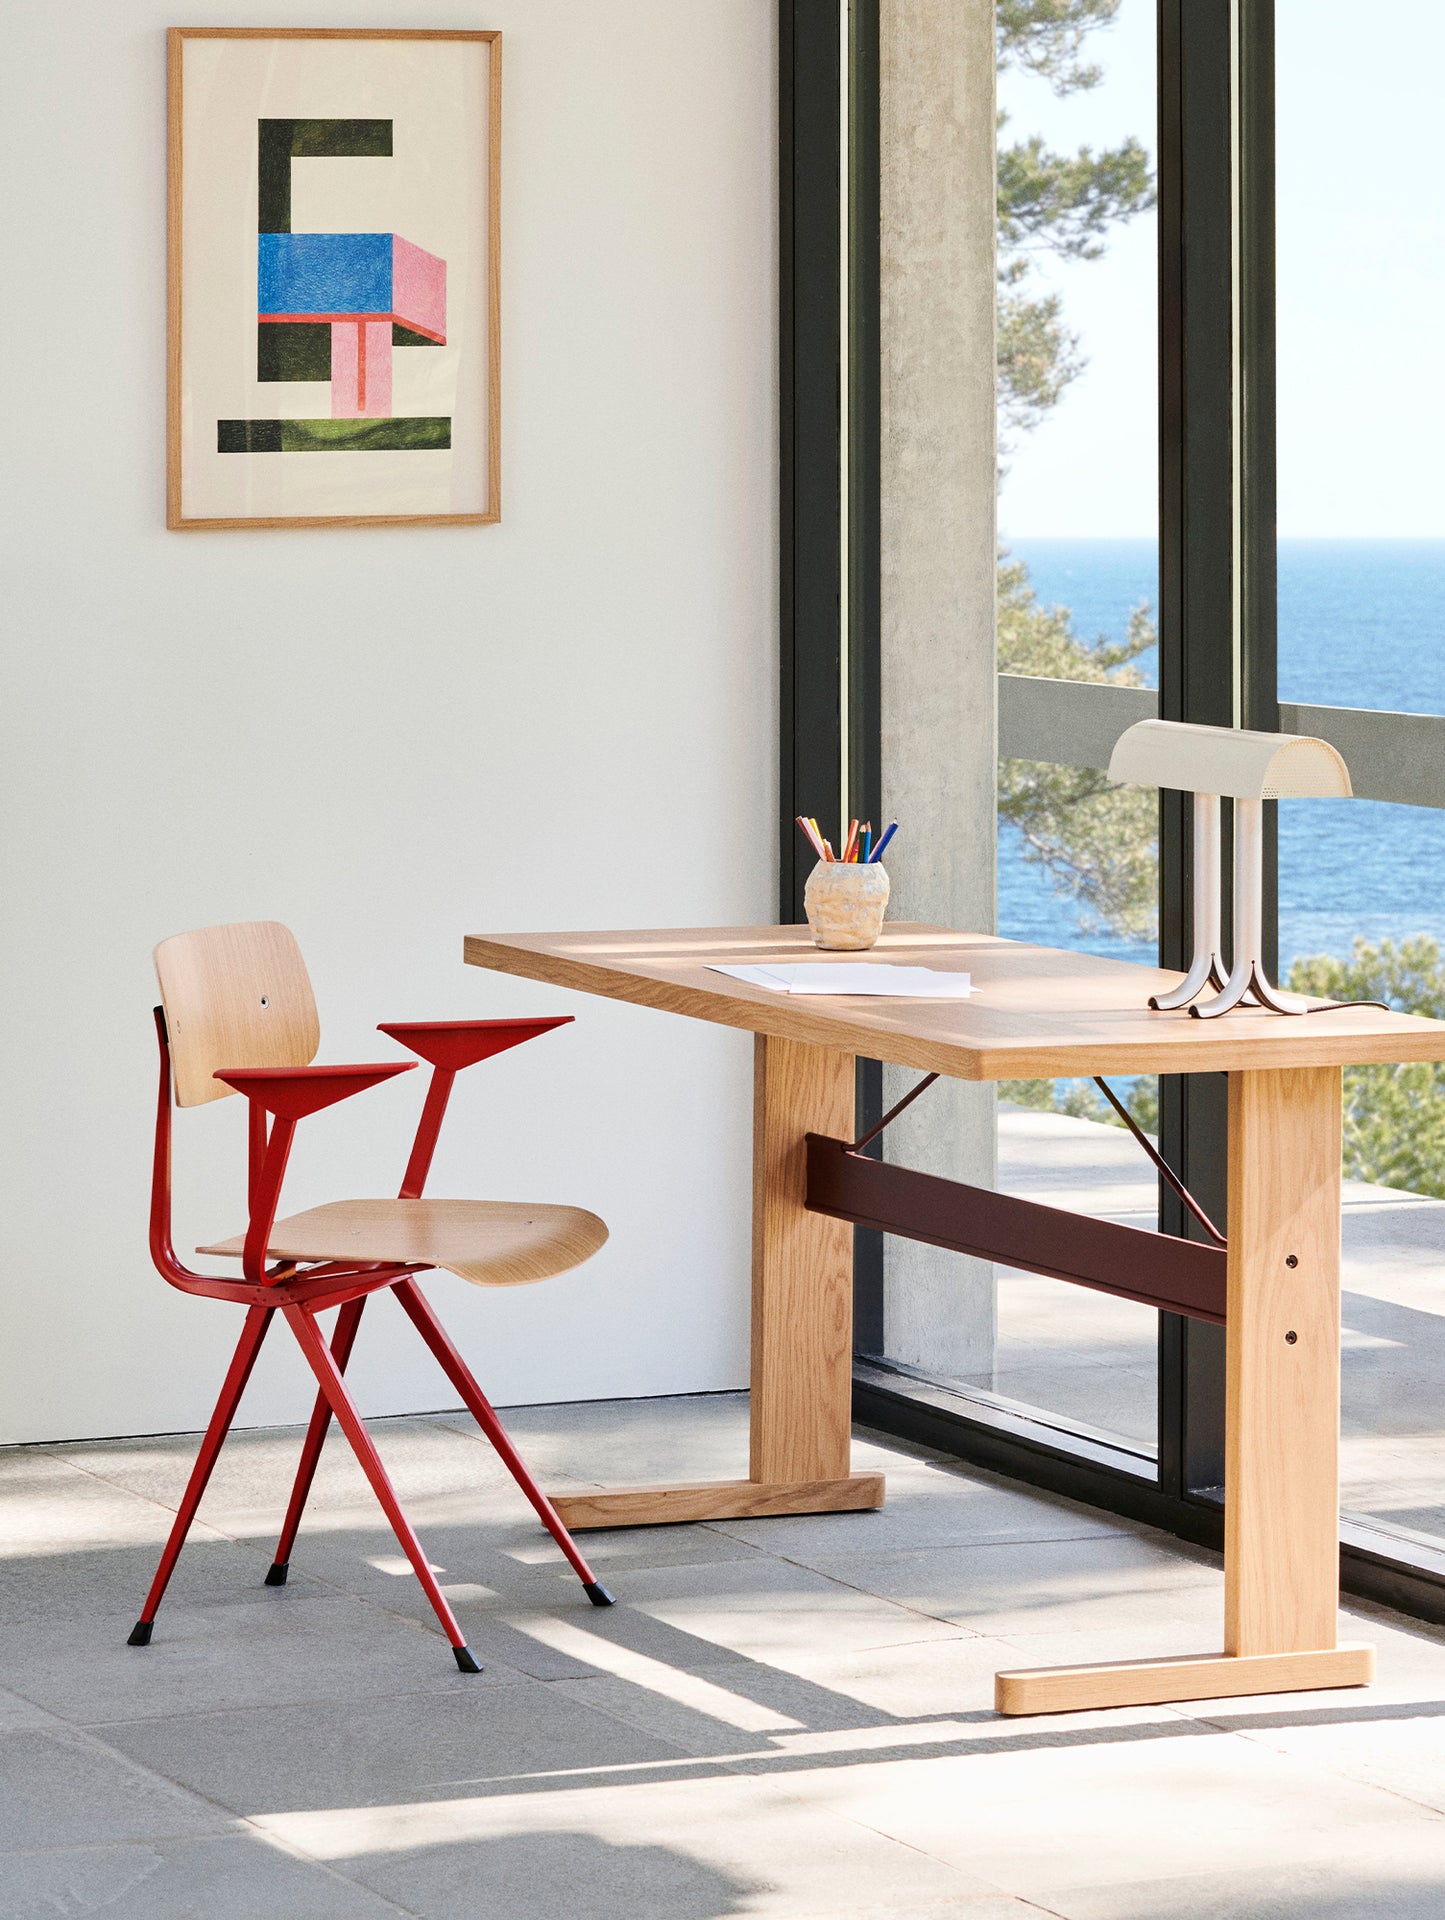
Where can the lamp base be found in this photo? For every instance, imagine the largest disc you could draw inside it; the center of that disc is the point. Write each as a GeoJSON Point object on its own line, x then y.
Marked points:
{"type": "Point", "coordinates": [1248, 981]}
{"type": "Point", "coordinates": [1208, 970]}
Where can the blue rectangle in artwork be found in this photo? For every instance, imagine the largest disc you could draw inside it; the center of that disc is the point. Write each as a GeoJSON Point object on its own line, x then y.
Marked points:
{"type": "Point", "coordinates": [323, 273]}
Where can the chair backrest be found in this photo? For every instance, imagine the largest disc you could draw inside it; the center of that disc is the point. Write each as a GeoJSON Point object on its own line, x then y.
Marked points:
{"type": "Point", "coordinates": [234, 997]}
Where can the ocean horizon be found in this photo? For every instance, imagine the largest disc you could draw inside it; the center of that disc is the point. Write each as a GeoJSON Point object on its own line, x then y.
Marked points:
{"type": "Point", "coordinates": [1361, 624]}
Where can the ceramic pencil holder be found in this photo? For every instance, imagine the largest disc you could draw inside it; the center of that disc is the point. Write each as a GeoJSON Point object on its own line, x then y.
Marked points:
{"type": "Point", "coordinates": [845, 902]}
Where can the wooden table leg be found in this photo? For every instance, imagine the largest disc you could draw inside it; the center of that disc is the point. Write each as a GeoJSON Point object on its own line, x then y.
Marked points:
{"type": "Point", "coordinates": [802, 1341]}
{"type": "Point", "coordinates": [1282, 1410]}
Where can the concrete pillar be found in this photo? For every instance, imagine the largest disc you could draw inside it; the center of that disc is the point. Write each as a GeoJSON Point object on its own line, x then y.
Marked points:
{"type": "Point", "coordinates": [939, 492]}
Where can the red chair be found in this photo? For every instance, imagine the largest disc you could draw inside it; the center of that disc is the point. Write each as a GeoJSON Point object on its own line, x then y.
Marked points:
{"type": "Point", "coordinates": [238, 1014]}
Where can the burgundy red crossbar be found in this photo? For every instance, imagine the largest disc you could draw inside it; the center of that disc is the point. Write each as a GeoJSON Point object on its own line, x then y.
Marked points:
{"type": "Point", "coordinates": [1157, 1269]}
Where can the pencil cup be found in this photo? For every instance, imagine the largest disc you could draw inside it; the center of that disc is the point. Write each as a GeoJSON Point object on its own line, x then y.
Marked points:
{"type": "Point", "coordinates": [845, 903]}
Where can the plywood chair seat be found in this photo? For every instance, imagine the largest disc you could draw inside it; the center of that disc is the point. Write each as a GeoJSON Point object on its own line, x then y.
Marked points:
{"type": "Point", "coordinates": [492, 1243]}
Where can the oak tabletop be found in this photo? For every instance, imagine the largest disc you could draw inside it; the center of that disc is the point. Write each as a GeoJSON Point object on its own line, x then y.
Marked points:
{"type": "Point", "coordinates": [1037, 1012]}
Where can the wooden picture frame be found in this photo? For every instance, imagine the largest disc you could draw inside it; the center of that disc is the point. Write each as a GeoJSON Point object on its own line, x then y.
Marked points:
{"type": "Point", "coordinates": [252, 303]}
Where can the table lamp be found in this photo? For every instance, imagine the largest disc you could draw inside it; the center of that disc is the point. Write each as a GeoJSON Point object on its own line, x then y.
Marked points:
{"type": "Point", "coordinates": [1250, 768]}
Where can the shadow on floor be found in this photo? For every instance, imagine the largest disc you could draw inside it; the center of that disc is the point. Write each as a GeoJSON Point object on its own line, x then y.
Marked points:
{"type": "Point", "coordinates": [543, 1876]}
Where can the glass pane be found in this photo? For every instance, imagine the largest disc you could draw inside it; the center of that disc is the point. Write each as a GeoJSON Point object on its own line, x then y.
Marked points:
{"type": "Point", "coordinates": [1362, 612]}
{"type": "Point", "coordinates": [1078, 575]}
{"type": "Point", "coordinates": [1078, 432]}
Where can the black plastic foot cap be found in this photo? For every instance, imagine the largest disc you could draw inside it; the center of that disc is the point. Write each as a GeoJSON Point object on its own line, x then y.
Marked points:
{"type": "Point", "coordinates": [140, 1634]}
{"type": "Point", "coordinates": [277, 1575]}
{"type": "Point", "coordinates": [467, 1660]}
{"type": "Point", "coordinates": [598, 1594]}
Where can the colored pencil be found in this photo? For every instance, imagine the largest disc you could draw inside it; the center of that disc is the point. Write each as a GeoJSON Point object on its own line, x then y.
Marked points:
{"type": "Point", "coordinates": [858, 845]}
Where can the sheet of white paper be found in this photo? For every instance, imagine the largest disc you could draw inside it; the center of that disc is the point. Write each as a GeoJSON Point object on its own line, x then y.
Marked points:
{"type": "Point", "coordinates": [774, 977]}
{"type": "Point", "coordinates": [856, 977]}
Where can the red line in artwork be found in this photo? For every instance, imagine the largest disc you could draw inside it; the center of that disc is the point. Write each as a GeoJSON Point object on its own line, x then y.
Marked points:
{"type": "Point", "coordinates": [396, 319]}
{"type": "Point", "coordinates": [361, 366]}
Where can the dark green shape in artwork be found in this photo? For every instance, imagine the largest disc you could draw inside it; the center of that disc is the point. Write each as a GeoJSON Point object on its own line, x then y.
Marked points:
{"type": "Point", "coordinates": [273, 203]}
{"type": "Point", "coordinates": [293, 350]}
{"type": "Point", "coordinates": [416, 435]}
{"type": "Point", "coordinates": [248, 436]}
{"type": "Point", "coordinates": [282, 141]}
{"type": "Point", "coordinates": [404, 337]}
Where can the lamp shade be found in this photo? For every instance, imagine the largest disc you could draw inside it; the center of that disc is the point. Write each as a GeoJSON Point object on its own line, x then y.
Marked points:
{"type": "Point", "coordinates": [1229, 760]}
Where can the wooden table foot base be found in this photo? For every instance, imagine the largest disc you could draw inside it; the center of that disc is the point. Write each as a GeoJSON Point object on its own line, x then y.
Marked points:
{"type": "Point", "coordinates": [717, 1500]}
{"type": "Point", "coordinates": [1150, 1683]}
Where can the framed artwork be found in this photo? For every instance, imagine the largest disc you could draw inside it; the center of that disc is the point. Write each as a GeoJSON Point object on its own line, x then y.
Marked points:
{"type": "Point", "coordinates": [332, 350]}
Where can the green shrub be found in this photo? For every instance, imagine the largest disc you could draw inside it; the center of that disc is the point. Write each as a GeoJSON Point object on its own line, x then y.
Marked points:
{"type": "Point", "coordinates": [1394, 1133]}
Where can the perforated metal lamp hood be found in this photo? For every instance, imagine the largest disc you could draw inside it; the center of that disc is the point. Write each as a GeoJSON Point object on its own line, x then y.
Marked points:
{"type": "Point", "coordinates": [1249, 768]}
{"type": "Point", "coordinates": [1229, 761]}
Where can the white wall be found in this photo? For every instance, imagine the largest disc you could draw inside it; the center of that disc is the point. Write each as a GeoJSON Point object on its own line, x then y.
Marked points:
{"type": "Point", "coordinates": [390, 738]}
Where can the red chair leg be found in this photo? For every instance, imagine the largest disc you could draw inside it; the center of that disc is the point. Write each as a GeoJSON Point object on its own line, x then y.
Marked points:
{"type": "Point", "coordinates": [328, 1377]}
{"type": "Point", "coordinates": [258, 1319]}
{"type": "Point", "coordinates": [342, 1340]}
{"type": "Point", "coordinates": [418, 1308]}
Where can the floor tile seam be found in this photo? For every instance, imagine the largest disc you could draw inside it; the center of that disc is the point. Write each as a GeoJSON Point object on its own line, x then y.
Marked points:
{"type": "Point", "coordinates": [924, 1613]}
{"type": "Point", "coordinates": [1337, 1770]}
{"type": "Point", "coordinates": [715, 1528]}
{"type": "Point", "coordinates": [333, 1590]}
{"type": "Point", "coordinates": [285, 1844]}
{"type": "Point", "coordinates": [779, 1785]}
{"type": "Point", "coordinates": [562, 1680]}
{"type": "Point", "coordinates": [950, 1904]}
{"type": "Point", "coordinates": [503, 1479]}
{"type": "Point", "coordinates": [133, 1493]}
{"type": "Point", "coordinates": [99, 1728]}
{"type": "Point", "coordinates": [241, 1824]}
{"type": "Point", "coordinates": [474, 1434]}
{"type": "Point", "coordinates": [901, 1606]}
{"type": "Point", "coordinates": [1028, 1902]}
{"type": "Point", "coordinates": [1095, 1535]}
{"type": "Point", "coordinates": [73, 1847]}
{"type": "Point", "coordinates": [93, 1742]}
{"type": "Point", "coordinates": [965, 1636]}
{"type": "Point", "coordinates": [452, 1685]}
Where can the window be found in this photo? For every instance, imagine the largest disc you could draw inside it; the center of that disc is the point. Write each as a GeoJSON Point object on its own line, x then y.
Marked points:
{"type": "Point", "coordinates": [1361, 612]}
{"type": "Point", "coordinates": [1044, 1381]}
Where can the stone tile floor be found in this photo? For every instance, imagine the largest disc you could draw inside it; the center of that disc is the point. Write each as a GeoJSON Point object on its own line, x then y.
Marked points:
{"type": "Point", "coordinates": [782, 1717]}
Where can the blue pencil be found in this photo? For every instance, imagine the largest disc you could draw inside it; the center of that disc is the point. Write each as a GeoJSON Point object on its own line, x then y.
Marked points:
{"type": "Point", "coordinates": [883, 840]}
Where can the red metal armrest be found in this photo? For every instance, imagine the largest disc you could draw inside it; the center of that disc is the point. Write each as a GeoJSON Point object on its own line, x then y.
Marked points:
{"type": "Point", "coordinates": [288, 1094]}
{"type": "Point", "coordinates": [449, 1046]}
{"type": "Point", "coordinates": [293, 1092]}
{"type": "Point", "coordinates": [455, 1044]}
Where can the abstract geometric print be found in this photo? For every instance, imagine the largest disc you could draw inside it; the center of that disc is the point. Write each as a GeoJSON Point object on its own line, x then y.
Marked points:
{"type": "Point", "coordinates": [332, 306]}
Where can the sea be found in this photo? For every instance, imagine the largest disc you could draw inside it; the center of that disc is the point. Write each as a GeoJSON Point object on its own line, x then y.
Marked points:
{"type": "Point", "coordinates": [1361, 624]}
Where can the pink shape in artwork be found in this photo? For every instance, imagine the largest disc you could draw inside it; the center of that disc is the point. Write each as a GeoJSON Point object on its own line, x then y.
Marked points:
{"type": "Point", "coordinates": [418, 288]}
{"type": "Point", "coordinates": [361, 369]}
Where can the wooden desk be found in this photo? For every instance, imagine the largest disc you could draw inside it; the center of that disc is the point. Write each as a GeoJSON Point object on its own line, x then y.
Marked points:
{"type": "Point", "coordinates": [1038, 1013]}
